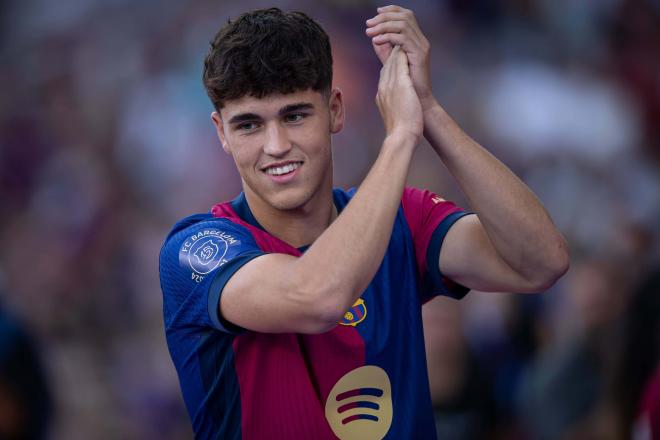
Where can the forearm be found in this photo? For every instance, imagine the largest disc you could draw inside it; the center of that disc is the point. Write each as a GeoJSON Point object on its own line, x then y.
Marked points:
{"type": "Point", "coordinates": [342, 261]}
{"type": "Point", "coordinates": [516, 223]}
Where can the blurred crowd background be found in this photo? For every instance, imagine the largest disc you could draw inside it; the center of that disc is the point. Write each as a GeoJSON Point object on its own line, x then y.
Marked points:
{"type": "Point", "coordinates": [106, 140]}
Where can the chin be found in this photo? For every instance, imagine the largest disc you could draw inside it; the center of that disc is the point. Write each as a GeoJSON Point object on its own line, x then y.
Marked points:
{"type": "Point", "coordinates": [288, 200]}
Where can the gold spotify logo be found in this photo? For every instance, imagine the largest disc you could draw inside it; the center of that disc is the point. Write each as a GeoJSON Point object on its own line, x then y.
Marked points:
{"type": "Point", "coordinates": [359, 406]}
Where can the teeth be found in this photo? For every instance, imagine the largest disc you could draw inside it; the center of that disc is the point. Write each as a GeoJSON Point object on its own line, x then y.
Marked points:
{"type": "Point", "coordinates": [278, 171]}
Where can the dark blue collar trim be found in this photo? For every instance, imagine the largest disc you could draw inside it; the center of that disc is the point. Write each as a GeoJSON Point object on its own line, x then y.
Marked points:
{"type": "Point", "coordinates": [241, 207]}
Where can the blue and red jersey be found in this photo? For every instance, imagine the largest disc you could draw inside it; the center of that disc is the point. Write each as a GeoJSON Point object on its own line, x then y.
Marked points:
{"type": "Point", "coordinates": [364, 379]}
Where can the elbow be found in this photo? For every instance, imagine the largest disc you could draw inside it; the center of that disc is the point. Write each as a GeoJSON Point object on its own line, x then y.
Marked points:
{"type": "Point", "coordinates": [560, 262]}
{"type": "Point", "coordinates": [322, 299]}
{"type": "Point", "coordinates": [320, 325]}
{"type": "Point", "coordinates": [556, 264]}
{"type": "Point", "coordinates": [328, 312]}
{"type": "Point", "coordinates": [321, 309]}
{"type": "Point", "coordinates": [320, 318]}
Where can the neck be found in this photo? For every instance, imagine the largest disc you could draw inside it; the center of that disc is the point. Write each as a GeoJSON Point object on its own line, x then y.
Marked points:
{"type": "Point", "coordinates": [299, 226]}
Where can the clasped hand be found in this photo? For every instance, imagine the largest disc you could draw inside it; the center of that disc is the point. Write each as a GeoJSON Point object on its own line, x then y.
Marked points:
{"type": "Point", "coordinates": [396, 98]}
{"type": "Point", "coordinates": [396, 26]}
{"type": "Point", "coordinates": [404, 89]}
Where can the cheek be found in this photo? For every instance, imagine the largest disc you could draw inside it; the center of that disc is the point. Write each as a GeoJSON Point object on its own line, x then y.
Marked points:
{"type": "Point", "coordinates": [243, 162]}
{"type": "Point", "coordinates": [240, 162]}
{"type": "Point", "coordinates": [243, 153]}
{"type": "Point", "coordinates": [317, 138]}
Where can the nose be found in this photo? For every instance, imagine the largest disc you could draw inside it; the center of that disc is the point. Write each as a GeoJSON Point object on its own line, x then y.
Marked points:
{"type": "Point", "coordinates": [277, 141]}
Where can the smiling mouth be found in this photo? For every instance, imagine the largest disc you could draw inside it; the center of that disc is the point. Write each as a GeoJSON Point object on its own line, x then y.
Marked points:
{"type": "Point", "coordinates": [284, 169]}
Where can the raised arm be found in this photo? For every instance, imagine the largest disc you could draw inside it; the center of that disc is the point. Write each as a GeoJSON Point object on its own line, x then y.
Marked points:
{"type": "Point", "coordinates": [310, 294]}
{"type": "Point", "coordinates": [511, 244]}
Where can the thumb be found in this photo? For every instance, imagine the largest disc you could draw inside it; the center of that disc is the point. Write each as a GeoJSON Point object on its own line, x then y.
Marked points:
{"type": "Point", "coordinates": [401, 61]}
{"type": "Point", "coordinates": [383, 51]}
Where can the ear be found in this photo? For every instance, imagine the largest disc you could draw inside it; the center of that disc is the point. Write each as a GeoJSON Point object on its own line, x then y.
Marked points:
{"type": "Point", "coordinates": [336, 105]}
{"type": "Point", "coordinates": [220, 130]}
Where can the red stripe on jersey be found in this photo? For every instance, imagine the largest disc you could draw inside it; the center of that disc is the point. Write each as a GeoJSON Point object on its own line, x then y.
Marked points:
{"type": "Point", "coordinates": [285, 379]}
{"type": "Point", "coordinates": [424, 211]}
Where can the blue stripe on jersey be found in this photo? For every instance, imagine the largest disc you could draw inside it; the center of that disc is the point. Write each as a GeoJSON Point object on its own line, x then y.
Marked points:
{"type": "Point", "coordinates": [435, 282]}
{"type": "Point", "coordinates": [219, 281]}
{"type": "Point", "coordinates": [394, 337]}
{"type": "Point", "coordinates": [203, 356]}
{"type": "Point", "coordinates": [223, 400]}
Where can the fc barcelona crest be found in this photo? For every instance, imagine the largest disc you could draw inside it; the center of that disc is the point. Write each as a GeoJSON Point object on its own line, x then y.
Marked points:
{"type": "Point", "coordinates": [355, 314]}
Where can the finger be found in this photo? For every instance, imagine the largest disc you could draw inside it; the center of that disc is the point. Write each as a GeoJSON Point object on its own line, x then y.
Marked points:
{"type": "Point", "coordinates": [407, 18]}
{"type": "Point", "coordinates": [397, 40]}
{"type": "Point", "coordinates": [415, 42]}
{"type": "Point", "coordinates": [388, 26]}
{"type": "Point", "coordinates": [387, 16]}
{"type": "Point", "coordinates": [392, 39]}
{"type": "Point", "coordinates": [411, 41]}
{"type": "Point", "coordinates": [390, 8]}
{"type": "Point", "coordinates": [402, 13]}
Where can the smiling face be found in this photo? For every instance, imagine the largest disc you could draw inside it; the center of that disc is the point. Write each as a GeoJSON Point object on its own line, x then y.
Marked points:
{"type": "Point", "coordinates": [281, 146]}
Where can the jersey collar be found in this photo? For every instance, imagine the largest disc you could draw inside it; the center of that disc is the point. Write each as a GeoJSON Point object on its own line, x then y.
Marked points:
{"type": "Point", "coordinates": [241, 207]}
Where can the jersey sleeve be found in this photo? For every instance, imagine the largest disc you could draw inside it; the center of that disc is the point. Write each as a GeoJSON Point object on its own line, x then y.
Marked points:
{"type": "Point", "coordinates": [429, 218]}
{"type": "Point", "coordinates": [196, 262]}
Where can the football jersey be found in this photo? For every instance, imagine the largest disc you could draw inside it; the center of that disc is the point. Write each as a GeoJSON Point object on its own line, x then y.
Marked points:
{"type": "Point", "coordinates": [364, 379]}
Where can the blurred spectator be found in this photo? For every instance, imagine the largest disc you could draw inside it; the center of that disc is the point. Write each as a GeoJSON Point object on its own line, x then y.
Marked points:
{"type": "Point", "coordinates": [566, 390]}
{"type": "Point", "coordinates": [25, 401]}
{"type": "Point", "coordinates": [461, 393]}
{"type": "Point", "coordinates": [637, 380]}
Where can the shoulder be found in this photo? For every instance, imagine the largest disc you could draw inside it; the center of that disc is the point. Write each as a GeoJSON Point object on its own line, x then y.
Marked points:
{"type": "Point", "coordinates": [195, 252]}
{"type": "Point", "coordinates": [200, 225]}
{"type": "Point", "coordinates": [421, 206]}
{"type": "Point", "coordinates": [415, 197]}
{"type": "Point", "coordinates": [201, 238]}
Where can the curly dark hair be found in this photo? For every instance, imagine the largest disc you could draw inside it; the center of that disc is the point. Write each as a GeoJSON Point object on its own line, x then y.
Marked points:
{"type": "Point", "coordinates": [267, 51]}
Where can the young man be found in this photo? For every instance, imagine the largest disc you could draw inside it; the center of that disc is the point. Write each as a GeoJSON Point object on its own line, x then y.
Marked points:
{"type": "Point", "coordinates": [292, 313]}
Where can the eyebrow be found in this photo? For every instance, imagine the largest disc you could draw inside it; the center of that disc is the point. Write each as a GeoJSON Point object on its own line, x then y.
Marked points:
{"type": "Point", "coordinates": [296, 107]}
{"type": "Point", "coordinates": [242, 117]}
